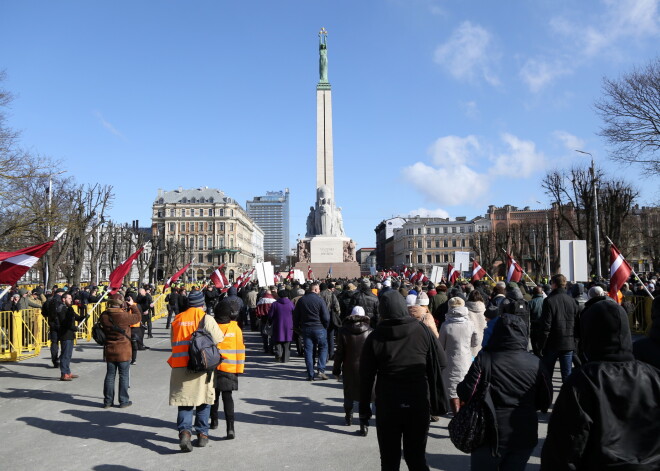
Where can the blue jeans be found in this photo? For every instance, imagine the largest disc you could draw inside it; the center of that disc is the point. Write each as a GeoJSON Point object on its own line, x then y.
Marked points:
{"type": "Point", "coordinates": [565, 362]}
{"type": "Point", "coordinates": [109, 385]}
{"type": "Point", "coordinates": [312, 337]}
{"type": "Point", "coordinates": [65, 357]}
{"type": "Point", "coordinates": [510, 460]}
{"type": "Point", "coordinates": [184, 419]}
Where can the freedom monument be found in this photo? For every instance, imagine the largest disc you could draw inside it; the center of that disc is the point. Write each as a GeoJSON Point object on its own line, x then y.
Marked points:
{"type": "Point", "coordinates": [325, 247]}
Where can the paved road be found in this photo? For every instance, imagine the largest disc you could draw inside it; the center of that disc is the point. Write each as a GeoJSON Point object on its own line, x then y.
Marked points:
{"type": "Point", "coordinates": [282, 421]}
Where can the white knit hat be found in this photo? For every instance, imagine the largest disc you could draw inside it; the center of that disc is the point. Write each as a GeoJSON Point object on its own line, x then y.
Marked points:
{"type": "Point", "coordinates": [411, 299]}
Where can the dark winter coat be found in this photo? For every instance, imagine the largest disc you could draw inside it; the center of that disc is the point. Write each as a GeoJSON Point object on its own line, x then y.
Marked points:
{"type": "Point", "coordinates": [233, 299]}
{"type": "Point", "coordinates": [280, 316]}
{"type": "Point", "coordinates": [345, 299]}
{"type": "Point", "coordinates": [519, 384]}
{"type": "Point", "coordinates": [118, 346]}
{"type": "Point", "coordinates": [66, 321]}
{"type": "Point", "coordinates": [558, 321]}
{"type": "Point", "coordinates": [366, 299]}
{"type": "Point", "coordinates": [648, 348]}
{"type": "Point", "coordinates": [396, 356]}
{"type": "Point", "coordinates": [350, 341]}
{"type": "Point", "coordinates": [311, 311]}
{"type": "Point", "coordinates": [607, 413]}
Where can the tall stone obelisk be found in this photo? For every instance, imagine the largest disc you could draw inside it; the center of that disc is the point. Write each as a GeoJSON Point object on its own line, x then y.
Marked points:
{"type": "Point", "coordinates": [324, 159]}
{"type": "Point", "coordinates": [325, 248]}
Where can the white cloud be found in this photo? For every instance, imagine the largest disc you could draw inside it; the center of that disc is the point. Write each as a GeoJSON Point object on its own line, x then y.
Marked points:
{"type": "Point", "coordinates": [107, 125]}
{"type": "Point", "coordinates": [447, 186]}
{"type": "Point", "coordinates": [521, 160]}
{"type": "Point", "coordinates": [569, 141]}
{"type": "Point", "coordinates": [469, 54]}
{"type": "Point", "coordinates": [429, 213]}
{"type": "Point", "coordinates": [453, 150]}
{"type": "Point", "coordinates": [539, 73]}
{"type": "Point", "coordinates": [470, 109]}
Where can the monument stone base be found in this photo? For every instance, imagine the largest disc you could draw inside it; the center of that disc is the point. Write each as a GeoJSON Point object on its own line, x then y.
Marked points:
{"type": "Point", "coordinates": [348, 270]}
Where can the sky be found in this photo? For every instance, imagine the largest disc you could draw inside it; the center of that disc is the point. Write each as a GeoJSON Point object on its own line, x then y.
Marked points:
{"type": "Point", "coordinates": [440, 107]}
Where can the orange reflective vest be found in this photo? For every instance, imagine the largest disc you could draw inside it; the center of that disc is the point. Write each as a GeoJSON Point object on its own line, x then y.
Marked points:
{"type": "Point", "coordinates": [232, 348]}
{"type": "Point", "coordinates": [183, 326]}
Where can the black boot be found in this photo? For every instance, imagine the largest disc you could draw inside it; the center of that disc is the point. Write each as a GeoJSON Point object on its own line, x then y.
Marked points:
{"type": "Point", "coordinates": [214, 423]}
{"type": "Point", "coordinates": [349, 418]}
{"type": "Point", "coordinates": [230, 430]}
{"type": "Point", "coordinates": [364, 428]}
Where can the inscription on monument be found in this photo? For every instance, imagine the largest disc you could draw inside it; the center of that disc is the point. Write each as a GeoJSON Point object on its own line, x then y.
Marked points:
{"type": "Point", "coordinates": [327, 250]}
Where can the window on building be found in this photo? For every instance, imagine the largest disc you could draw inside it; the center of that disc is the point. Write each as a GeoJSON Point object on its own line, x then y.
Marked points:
{"type": "Point", "coordinates": [453, 230]}
{"type": "Point", "coordinates": [446, 258]}
{"type": "Point", "coordinates": [419, 258]}
{"type": "Point", "coordinates": [446, 244]}
{"type": "Point", "coordinates": [231, 242]}
{"type": "Point", "coordinates": [428, 243]}
{"type": "Point", "coordinates": [437, 230]}
{"type": "Point", "coordinates": [221, 242]}
{"type": "Point", "coordinates": [201, 213]}
{"type": "Point", "coordinates": [231, 258]}
{"type": "Point", "coordinates": [200, 258]}
{"type": "Point", "coordinates": [192, 213]}
{"type": "Point", "coordinates": [462, 229]}
{"type": "Point", "coordinates": [172, 226]}
{"type": "Point", "coordinates": [408, 258]}
{"type": "Point", "coordinates": [454, 243]}
{"type": "Point", "coordinates": [201, 242]}
{"type": "Point", "coordinates": [172, 213]}
{"type": "Point", "coordinates": [463, 243]}
{"type": "Point", "coordinates": [437, 243]}
{"type": "Point", "coordinates": [222, 227]}
{"type": "Point", "coordinates": [445, 230]}
{"type": "Point", "coordinates": [428, 230]}
{"type": "Point", "coordinates": [183, 241]}
{"type": "Point", "coordinates": [410, 244]}
{"type": "Point", "coordinates": [200, 226]}
{"type": "Point", "coordinates": [192, 242]}
{"type": "Point", "coordinates": [231, 226]}
{"type": "Point", "coordinates": [222, 213]}
{"type": "Point", "coordinates": [171, 240]}
{"type": "Point", "coordinates": [231, 213]}
{"type": "Point", "coordinates": [437, 258]}
{"type": "Point", "coordinates": [470, 229]}
{"type": "Point", "coordinates": [210, 227]}
{"type": "Point", "coordinates": [182, 226]}
{"type": "Point", "coordinates": [211, 212]}
{"type": "Point", "coordinates": [419, 230]}
{"type": "Point", "coordinates": [419, 244]}
{"type": "Point", "coordinates": [209, 242]}
{"type": "Point", "coordinates": [428, 258]}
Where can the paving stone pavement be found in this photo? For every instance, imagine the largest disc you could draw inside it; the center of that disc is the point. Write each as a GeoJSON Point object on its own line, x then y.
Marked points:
{"type": "Point", "coordinates": [282, 421]}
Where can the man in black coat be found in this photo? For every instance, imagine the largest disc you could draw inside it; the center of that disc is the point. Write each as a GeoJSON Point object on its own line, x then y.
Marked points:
{"type": "Point", "coordinates": [607, 413]}
{"type": "Point", "coordinates": [311, 317]}
{"type": "Point", "coordinates": [66, 322]}
{"type": "Point", "coordinates": [172, 306]}
{"type": "Point", "coordinates": [557, 337]}
{"type": "Point", "coordinates": [367, 300]}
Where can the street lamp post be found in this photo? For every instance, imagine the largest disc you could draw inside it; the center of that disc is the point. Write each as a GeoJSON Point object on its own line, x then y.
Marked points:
{"type": "Point", "coordinates": [547, 243]}
{"type": "Point", "coordinates": [597, 225]}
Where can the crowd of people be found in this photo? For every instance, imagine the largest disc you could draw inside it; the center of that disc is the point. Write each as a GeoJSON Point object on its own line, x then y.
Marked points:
{"type": "Point", "coordinates": [411, 352]}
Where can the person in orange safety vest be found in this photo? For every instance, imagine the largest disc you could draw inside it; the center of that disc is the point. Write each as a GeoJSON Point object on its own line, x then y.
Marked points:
{"type": "Point", "coordinates": [232, 349]}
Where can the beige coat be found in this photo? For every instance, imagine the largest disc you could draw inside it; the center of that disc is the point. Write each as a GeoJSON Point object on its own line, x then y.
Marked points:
{"type": "Point", "coordinates": [192, 389]}
{"type": "Point", "coordinates": [422, 313]}
{"type": "Point", "coordinates": [476, 311]}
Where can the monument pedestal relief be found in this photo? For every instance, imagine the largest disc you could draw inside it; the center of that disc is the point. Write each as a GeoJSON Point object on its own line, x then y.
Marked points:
{"type": "Point", "coordinates": [325, 248]}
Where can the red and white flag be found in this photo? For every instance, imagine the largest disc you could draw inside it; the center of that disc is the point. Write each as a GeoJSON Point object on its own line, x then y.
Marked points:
{"type": "Point", "coordinates": [238, 282]}
{"type": "Point", "coordinates": [514, 272]}
{"type": "Point", "coordinates": [176, 276]}
{"type": "Point", "coordinates": [620, 270]}
{"type": "Point", "coordinates": [218, 277]}
{"type": "Point", "coordinates": [453, 274]}
{"type": "Point", "coordinates": [118, 274]}
{"type": "Point", "coordinates": [290, 275]}
{"type": "Point", "coordinates": [13, 265]}
{"type": "Point", "coordinates": [310, 273]}
{"type": "Point", "coordinates": [477, 272]}
{"type": "Point", "coordinates": [246, 278]}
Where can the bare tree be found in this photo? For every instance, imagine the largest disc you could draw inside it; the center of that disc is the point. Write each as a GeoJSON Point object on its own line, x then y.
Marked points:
{"type": "Point", "coordinates": [630, 110]}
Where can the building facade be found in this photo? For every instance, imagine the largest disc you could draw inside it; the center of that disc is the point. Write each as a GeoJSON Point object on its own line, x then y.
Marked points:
{"type": "Point", "coordinates": [271, 213]}
{"type": "Point", "coordinates": [384, 241]}
{"type": "Point", "coordinates": [209, 228]}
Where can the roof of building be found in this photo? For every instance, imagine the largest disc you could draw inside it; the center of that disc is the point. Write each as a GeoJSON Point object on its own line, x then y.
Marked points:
{"type": "Point", "coordinates": [194, 195]}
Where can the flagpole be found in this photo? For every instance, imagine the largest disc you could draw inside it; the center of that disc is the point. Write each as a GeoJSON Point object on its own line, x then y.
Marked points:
{"type": "Point", "coordinates": [523, 270]}
{"type": "Point", "coordinates": [631, 268]}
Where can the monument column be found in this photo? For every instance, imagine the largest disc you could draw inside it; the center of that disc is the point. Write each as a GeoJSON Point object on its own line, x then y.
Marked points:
{"type": "Point", "coordinates": [324, 156]}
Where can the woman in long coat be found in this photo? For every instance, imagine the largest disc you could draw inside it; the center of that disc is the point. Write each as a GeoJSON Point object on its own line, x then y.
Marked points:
{"type": "Point", "coordinates": [457, 337]}
{"type": "Point", "coordinates": [280, 316]}
{"type": "Point", "coordinates": [350, 340]}
{"type": "Point", "coordinates": [476, 308]}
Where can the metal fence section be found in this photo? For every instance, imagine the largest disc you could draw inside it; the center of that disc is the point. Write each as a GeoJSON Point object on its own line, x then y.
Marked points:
{"type": "Point", "coordinates": [639, 316]}
{"type": "Point", "coordinates": [24, 333]}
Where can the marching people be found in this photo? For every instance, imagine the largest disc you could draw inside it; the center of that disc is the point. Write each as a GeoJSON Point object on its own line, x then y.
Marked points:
{"type": "Point", "coordinates": [190, 390]}
{"type": "Point", "coordinates": [117, 351]}
{"type": "Point", "coordinates": [311, 318]}
{"type": "Point", "coordinates": [146, 305]}
{"type": "Point", "coordinates": [280, 318]}
{"type": "Point", "coordinates": [66, 321]}
{"type": "Point", "coordinates": [232, 349]}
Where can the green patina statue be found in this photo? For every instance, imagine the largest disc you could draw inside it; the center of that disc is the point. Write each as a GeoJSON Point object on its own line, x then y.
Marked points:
{"type": "Point", "coordinates": [323, 56]}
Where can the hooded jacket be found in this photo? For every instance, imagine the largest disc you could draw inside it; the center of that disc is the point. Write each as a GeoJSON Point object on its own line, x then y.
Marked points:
{"type": "Point", "coordinates": [366, 299]}
{"type": "Point", "coordinates": [350, 341]}
{"type": "Point", "coordinates": [395, 357]}
{"type": "Point", "coordinates": [519, 384]}
{"type": "Point", "coordinates": [607, 413]}
{"type": "Point", "coordinates": [476, 311]}
{"type": "Point", "coordinates": [457, 337]}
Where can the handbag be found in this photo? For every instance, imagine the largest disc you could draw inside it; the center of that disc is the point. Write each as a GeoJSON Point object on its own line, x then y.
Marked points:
{"type": "Point", "coordinates": [467, 429]}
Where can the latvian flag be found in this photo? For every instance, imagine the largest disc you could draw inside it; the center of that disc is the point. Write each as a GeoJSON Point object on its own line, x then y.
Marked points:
{"type": "Point", "coordinates": [218, 277]}
{"type": "Point", "coordinates": [13, 265]}
{"type": "Point", "coordinates": [620, 270]}
{"type": "Point", "coordinates": [290, 275]}
{"type": "Point", "coordinates": [514, 272]}
{"type": "Point", "coordinates": [310, 273]}
{"type": "Point", "coordinates": [247, 278]}
{"type": "Point", "coordinates": [405, 272]}
{"type": "Point", "coordinates": [173, 278]}
{"type": "Point", "coordinates": [453, 274]}
{"type": "Point", "coordinates": [477, 272]}
{"type": "Point", "coordinates": [118, 274]}
{"type": "Point", "coordinates": [238, 282]}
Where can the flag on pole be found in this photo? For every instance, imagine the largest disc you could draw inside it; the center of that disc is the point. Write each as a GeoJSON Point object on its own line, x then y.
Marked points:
{"type": "Point", "coordinates": [477, 272]}
{"type": "Point", "coordinates": [620, 270]}
{"type": "Point", "coordinates": [172, 279]}
{"type": "Point", "coordinates": [514, 272]}
{"type": "Point", "coordinates": [290, 275]}
{"type": "Point", "coordinates": [453, 274]}
{"type": "Point", "coordinates": [13, 265]}
{"type": "Point", "coordinates": [310, 273]}
{"type": "Point", "coordinates": [218, 277]}
{"type": "Point", "coordinates": [238, 282]}
{"type": "Point", "coordinates": [247, 278]}
{"type": "Point", "coordinates": [118, 274]}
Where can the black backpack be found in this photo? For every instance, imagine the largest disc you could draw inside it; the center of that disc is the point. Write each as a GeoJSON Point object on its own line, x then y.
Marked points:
{"type": "Point", "coordinates": [203, 353]}
{"type": "Point", "coordinates": [98, 334]}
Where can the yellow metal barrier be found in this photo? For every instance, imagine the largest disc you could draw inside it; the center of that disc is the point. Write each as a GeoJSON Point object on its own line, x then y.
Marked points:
{"type": "Point", "coordinates": [24, 333]}
{"type": "Point", "coordinates": [640, 317]}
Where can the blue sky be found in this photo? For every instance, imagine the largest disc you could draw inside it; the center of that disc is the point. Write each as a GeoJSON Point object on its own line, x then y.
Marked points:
{"type": "Point", "coordinates": [439, 107]}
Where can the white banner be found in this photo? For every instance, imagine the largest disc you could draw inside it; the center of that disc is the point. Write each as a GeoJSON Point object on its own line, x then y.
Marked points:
{"type": "Point", "coordinates": [436, 274]}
